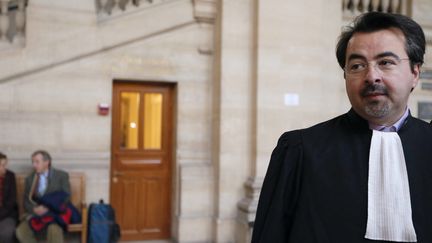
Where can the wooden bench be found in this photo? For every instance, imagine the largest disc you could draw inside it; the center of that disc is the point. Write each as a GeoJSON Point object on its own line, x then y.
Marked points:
{"type": "Point", "coordinates": [77, 183]}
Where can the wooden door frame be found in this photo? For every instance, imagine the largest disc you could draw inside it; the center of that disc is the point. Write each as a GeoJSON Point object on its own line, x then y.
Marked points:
{"type": "Point", "coordinates": [173, 195]}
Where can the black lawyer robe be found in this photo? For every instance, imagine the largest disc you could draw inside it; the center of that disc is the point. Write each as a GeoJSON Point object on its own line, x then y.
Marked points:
{"type": "Point", "coordinates": [315, 189]}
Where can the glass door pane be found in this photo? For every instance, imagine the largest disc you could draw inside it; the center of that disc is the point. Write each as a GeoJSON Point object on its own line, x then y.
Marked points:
{"type": "Point", "coordinates": [129, 117]}
{"type": "Point", "coordinates": [153, 120]}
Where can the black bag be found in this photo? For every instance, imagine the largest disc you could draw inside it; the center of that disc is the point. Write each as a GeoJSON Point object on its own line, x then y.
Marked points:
{"type": "Point", "coordinates": [102, 226]}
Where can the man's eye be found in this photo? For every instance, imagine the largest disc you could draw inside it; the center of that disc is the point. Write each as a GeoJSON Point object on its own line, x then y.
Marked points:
{"type": "Point", "coordinates": [386, 62]}
{"type": "Point", "coordinates": [357, 66]}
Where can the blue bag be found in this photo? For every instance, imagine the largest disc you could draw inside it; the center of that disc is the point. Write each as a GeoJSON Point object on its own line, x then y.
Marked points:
{"type": "Point", "coordinates": [102, 226]}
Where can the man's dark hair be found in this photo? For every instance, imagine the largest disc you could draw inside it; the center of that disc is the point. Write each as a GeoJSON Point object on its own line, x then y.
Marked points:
{"type": "Point", "coordinates": [374, 21]}
{"type": "Point", "coordinates": [3, 156]}
{"type": "Point", "coordinates": [45, 155]}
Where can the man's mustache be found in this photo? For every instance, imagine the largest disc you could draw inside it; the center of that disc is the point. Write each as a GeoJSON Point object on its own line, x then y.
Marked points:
{"type": "Point", "coordinates": [374, 89]}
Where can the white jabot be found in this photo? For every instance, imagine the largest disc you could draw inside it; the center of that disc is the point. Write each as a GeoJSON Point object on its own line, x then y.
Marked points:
{"type": "Point", "coordinates": [389, 202]}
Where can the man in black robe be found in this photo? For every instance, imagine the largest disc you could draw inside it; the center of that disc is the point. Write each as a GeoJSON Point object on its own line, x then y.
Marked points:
{"type": "Point", "coordinates": [333, 183]}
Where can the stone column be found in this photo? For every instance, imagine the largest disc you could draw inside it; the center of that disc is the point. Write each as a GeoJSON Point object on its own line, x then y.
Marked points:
{"type": "Point", "coordinates": [291, 41]}
{"type": "Point", "coordinates": [252, 187]}
{"type": "Point", "coordinates": [20, 19]}
{"type": "Point", "coordinates": [4, 20]}
{"type": "Point", "coordinates": [128, 5]}
{"type": "Point", "coordinates": [232, 109]}
{"type": "Point", "coordinates": [103, 7]}
{"type": "Point", "coordinates": [116, 7]}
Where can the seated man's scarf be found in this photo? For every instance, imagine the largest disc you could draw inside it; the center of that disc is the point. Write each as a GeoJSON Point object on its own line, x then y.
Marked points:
{"type": "Point", "coordinates": [60, 212]}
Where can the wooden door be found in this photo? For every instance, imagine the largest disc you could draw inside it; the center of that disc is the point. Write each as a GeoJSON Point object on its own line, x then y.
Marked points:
{"type": "Point", "coordinates": [141, 159]}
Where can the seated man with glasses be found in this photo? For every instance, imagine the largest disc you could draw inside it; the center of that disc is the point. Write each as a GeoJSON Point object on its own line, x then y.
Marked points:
{"type": "Point", "coordinates": [364, 176]}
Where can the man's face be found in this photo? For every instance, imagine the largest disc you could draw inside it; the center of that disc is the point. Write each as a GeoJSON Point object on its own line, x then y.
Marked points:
{"type": "Point", "coordinates": [380, 92]}
{"type": "Point", "coordinates": [39, 164]}
{"type": "Point", "coordinates": [3, 166]}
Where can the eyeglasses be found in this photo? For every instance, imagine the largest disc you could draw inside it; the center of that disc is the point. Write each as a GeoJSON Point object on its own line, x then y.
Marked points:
{"type": "Point", "coordinates": [384, 65]}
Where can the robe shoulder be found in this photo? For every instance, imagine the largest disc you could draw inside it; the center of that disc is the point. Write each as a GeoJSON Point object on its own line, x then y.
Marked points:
{"type": "Point", "coordinates": [418, 125]}
{"type": "Point", "coordinates": [279, 184]}
{"type": "Point", "coordinates": [281, 187]}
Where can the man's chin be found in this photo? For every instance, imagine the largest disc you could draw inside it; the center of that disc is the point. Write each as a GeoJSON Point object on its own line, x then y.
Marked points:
{"type": "Point", "coordinates": [377, 112]}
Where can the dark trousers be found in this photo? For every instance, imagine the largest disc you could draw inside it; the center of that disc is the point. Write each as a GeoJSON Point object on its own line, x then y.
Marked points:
{"type": "Point", "coordinates": [7, 230]}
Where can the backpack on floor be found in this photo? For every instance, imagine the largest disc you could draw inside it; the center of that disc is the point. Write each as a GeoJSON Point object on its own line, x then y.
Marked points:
{"type": "Point", "coordinates": [102, 226]}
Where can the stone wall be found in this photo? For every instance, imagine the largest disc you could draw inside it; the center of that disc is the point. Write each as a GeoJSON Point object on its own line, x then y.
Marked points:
{"type": "Point", "coordinates": [50, 90]}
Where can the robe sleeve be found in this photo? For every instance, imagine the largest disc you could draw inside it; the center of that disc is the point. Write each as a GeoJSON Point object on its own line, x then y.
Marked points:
{"type": "Point", "coordinates": [279, 192]}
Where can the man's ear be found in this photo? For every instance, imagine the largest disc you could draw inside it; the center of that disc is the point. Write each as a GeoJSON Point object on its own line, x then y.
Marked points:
{"type": "Point", "coordinates": [416, 75]}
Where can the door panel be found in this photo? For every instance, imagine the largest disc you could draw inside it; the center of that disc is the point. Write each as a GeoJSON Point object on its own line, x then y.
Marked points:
{"type": "Point", "coordinates": [141, 159]}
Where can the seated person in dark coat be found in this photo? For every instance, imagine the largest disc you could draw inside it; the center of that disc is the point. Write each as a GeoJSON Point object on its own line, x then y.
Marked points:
{"type": "Point", "coordinates": [42, 181]}
{"type": "Point", "coordinates": [8, 204]}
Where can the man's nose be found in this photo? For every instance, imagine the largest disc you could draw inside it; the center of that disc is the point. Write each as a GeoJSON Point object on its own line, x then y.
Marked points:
{"type": "Point", "coordinates": [373, 74]}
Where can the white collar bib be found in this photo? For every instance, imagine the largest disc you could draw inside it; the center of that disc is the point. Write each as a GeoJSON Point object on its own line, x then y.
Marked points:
{"type": "Point", "coordinates": [389, 202]}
